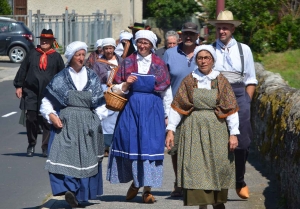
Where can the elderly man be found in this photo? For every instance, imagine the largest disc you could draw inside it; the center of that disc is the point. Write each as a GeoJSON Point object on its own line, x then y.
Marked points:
{"type": "Point", "coordinates": [180, 64]}
{"type": "Point", "coordinates": [171, 40]}
{"type": "Point", "coordinates": [236, 63]}
{"type": "Point", "coordinates": [103, 68]}
{"type": "Point", "coordinates": [34, 74]}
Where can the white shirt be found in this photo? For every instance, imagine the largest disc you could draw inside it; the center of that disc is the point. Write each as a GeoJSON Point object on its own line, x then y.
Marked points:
{"type": "Point", "coordinates": [204, 82]}
{"type": "Point", "coordinates": [143, 68]}
{"type": "Point", "coordinates": [80, 80]}
{"type": "Point", "coordinates": [249, 69]}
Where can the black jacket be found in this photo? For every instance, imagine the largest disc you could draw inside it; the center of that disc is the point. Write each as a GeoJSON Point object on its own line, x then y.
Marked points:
{"type": "Point", "coordinates": [33, 80]}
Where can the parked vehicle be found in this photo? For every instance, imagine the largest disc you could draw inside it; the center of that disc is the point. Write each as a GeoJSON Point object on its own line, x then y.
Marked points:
{"type": "Point", "coordinates": [16, 40]}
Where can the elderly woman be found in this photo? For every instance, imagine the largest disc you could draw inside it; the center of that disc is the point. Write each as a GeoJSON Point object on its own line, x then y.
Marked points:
{"type": "Point", "coordinates": [205, 109]}
{"type": "Point", "coordinates": [74, 105]}
{"type": "Point", "coordinates": [137, 151]}
{"type": "Point", "coordinates": [95, 54]}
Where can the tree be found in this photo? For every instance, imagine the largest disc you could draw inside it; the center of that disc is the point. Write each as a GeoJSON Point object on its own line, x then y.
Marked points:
{"type": "Point", "coordinates": [168, 11]}
{"type": "Point", "coordinates": [266, 25]}
{"type": "Point", "coordinates": [5, 8]}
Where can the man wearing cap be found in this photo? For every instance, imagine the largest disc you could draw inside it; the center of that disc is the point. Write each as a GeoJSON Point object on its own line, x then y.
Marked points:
{"type": "Point", "coordinates": [103, 68]}
{"type": "Point", "coordinates": [235, 62]}
{"type": "Point", "coordinates": [38, 68]}
{"type": "Point", "coordinates": [180, 64]}
{"type": "Point", "coordinates": [171, 40]}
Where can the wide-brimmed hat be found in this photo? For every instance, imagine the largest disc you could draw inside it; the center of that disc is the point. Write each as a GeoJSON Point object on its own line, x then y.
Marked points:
{"type": "Point", "coordinates": [47, 34]}
{"type": "Point", "coordinates": [225, 17]}
{"type": "Point", "coordinates": [189, 27]}
{"type": "Point", "coordinates": [137, 26]}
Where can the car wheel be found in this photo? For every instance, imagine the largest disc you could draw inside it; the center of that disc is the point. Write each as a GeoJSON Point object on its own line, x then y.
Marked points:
{"type": "Point", "coordinates": [17, 54]}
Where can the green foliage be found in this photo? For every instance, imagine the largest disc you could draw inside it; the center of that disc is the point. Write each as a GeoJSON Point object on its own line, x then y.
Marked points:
{"type": "Point", "coordinates": [5, 8]}
{"type": "Point", "coordinates": [170, 12]}
{"type": "Point", "coordinates": [171, 8]}
{"type": "Point", "coordinates": [286, 34]}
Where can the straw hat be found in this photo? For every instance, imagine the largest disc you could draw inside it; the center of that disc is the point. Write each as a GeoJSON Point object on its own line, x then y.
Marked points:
{"type": "Point", "coordinates": [225, 17]}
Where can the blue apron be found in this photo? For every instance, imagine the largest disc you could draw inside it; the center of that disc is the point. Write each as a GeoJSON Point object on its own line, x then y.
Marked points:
{"type": "Point", "coordinates": [140, 129]}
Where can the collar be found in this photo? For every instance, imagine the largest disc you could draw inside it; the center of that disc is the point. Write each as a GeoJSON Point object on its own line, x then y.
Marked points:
{"type": "Point", "coordinates": [141, 58]}
{"type": "Point", "coordinates": [200, 76]}
{"type": "Point", "coordinates": [83, 69]}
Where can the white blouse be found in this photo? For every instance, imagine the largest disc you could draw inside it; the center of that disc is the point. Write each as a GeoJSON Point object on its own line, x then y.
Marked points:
{"type": "Point", "coordinates": [143, 68]}
{"type": "Point", "coordinates": [80, 80]}
{"type": "Point", "coordinates": [204, 81]}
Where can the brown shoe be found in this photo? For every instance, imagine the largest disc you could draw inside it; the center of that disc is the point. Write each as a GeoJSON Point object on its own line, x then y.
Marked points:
{"type": "Point", "coordinates": [243, 192]}
{"type": "Point", "coordinates": [132, 192]}
{"type": "Point", "coordinates": [148, 197]}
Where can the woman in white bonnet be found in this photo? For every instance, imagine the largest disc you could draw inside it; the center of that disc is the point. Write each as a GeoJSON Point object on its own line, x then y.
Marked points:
{"type": "Point", "coordinates": [137, 150]}
{"type": "Point", "coordinates": [205, 110]}
{"type": "Point", "coordinates": [95, 54]}
{"type": "Point", "coordinates": [74, 105]}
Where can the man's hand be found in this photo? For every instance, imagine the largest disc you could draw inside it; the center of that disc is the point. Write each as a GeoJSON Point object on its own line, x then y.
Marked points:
{"type": "Point", "coordinates": [55, 121]}
{"type": "Point", "coordinates": [233, 142]}
{"type": "Point", "coordinates": [19, 92]}
{"type": "Point", "coordinates": [170, 140]}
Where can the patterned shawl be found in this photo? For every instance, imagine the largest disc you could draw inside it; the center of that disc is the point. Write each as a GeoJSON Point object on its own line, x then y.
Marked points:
{"type": "Point", "coordinates": [58, 88]}
{"type": "Point", "coordinates": [101, 69]}
{"type": "Point", "coordinates": [226, 102]}
{"type": "Point", "coordinates": [157, 68]}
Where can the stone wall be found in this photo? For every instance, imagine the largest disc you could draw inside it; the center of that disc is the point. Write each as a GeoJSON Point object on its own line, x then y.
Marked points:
{"type": "Point", "coordinates": [276, 126]}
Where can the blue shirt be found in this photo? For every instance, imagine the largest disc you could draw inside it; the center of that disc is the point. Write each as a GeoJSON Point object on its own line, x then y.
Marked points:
{"type": "Point", "coordinates": [179, 66]}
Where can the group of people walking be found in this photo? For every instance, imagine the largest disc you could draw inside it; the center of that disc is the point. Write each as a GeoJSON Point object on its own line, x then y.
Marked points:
{"type": "Point", "coordinates": [193, 99]}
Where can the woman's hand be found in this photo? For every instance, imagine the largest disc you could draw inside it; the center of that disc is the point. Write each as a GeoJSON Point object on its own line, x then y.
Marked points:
{"type": "Point", "coordinates": [170, 140]}
{"type": "Point", "coordinates": [130, 80]}
{"type": "Point", "coordinates": [233, 142]}
{"type": "Point", "coordinates": [55, 121]}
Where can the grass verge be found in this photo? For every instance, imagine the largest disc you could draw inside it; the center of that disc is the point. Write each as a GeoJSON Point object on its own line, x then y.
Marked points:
{"type": "Point", "coordinates": [287, 64]}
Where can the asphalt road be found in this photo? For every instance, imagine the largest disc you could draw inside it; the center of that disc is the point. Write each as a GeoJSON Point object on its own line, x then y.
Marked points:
{"type": "Point", "coordinates": [24, 182]}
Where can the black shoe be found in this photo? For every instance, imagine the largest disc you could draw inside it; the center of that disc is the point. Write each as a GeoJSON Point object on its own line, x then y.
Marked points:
{"type": "Point", "coordinates": [71, 199]}
{"type": "Point", "coordinates": [30, 150]}
{"type": "Point", "coordinates": [45, 153]}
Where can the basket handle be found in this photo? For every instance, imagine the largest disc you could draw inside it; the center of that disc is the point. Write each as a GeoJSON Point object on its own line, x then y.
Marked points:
{"type": "Point", "coordinates": [112, 73]}
{"type": "Point", "coordinates": [111, 77]}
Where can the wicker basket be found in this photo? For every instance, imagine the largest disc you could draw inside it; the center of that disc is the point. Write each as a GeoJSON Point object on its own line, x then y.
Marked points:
{"type": "Point", "coordinates": [114, 101]}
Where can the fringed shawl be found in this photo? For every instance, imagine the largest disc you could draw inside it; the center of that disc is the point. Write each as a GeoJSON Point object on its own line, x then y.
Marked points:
{"type": "Point", "coordinates": [62, 83]}
{"type": "Point", "coordinates": [226, 102]}
{"type": "Point", "coordinates": [157, 68]}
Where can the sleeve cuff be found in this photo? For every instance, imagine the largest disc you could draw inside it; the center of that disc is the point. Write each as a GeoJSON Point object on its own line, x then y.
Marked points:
{"type": "Point", "coordinates": [171, 127]}
{"type": "Point", "coordinates": [234, 131]}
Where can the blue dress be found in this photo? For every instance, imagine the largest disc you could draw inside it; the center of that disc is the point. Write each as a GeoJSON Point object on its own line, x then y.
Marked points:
{"type": "Point", "coordinates": [137, 151]}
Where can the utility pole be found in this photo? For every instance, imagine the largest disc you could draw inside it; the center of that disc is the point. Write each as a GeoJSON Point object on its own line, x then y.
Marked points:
{"type": "Point", "coordinates": [220, 7]}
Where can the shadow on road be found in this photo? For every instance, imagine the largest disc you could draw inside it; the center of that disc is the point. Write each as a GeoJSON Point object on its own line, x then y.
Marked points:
{"type": "Point", "coordinates": [23, 154]}
{"type": "Point", "coordinates": [270, 192]}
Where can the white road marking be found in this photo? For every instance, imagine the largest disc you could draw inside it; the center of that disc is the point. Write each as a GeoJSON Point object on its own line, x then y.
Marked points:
{"type": "Point", "coordinates": [9, 114]}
